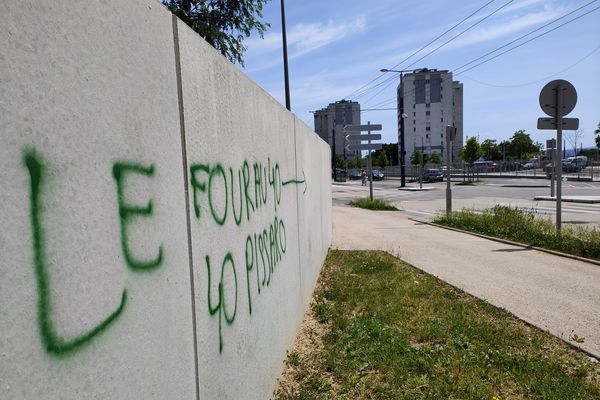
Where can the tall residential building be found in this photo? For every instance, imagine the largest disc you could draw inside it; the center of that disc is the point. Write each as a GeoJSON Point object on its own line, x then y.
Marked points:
{"type": "Point", "coordinates": [332, 119]}
{"type": "Point", "coordinates": [430, 100]}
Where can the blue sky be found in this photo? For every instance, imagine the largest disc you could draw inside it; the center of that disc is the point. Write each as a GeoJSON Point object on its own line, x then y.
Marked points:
{"type": "Point", "coordinates": [335, 47]}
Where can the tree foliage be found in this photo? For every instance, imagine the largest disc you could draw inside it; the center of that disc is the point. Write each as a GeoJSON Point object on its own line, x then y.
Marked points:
{"type": "Point", "coordinates": [471, 151]}
{"type": "Point", "coordinates": [597, 138]}
{"type": "Point", "coordinates": [434, 158]}
{"type": "Point", "coordinates": [222, 23]}
{"type": "Point", "coordinates": [382, 160]}
{"type": "Point", "coordinates": [357, 162]}
{"type": "Point", "coordinates": [391, 150]}
{"type": "Point", "coordinates": [415, 158]}
{"type": "Point", "coordinates": [521, 146]}
{"type": "Point", "coordinates": [491, 150]}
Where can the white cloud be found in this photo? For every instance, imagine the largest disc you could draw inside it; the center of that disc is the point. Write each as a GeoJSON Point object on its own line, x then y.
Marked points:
{"type": "Point", "coordinates": [505, 28]}
{"type": "Point", "coordinates": [303, 38]}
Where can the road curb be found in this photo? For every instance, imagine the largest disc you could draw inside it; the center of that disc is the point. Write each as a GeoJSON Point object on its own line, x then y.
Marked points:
{"type": "Point", "coordinates": [506, 241]}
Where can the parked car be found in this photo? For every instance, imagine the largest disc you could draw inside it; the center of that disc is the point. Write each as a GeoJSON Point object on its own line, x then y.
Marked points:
{"type": "Point", "coordinates": [377, 175]}
{"type": "Point", "coordinates": [432, 175]}
{"type": "Point", "coordinates": [579, 161]}
{"type": "Point", "coordinates": [567, 166]}
{"type": "Point", "coordinates": [354, 174]}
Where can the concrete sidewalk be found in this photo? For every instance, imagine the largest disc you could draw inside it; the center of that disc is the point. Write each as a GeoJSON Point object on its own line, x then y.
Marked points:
{"type": "Point", "coordinates": [555, 293]}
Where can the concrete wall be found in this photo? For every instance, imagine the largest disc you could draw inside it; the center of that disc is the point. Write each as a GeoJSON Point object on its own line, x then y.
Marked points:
{"type": "Point", "coordinates": [163, 218]}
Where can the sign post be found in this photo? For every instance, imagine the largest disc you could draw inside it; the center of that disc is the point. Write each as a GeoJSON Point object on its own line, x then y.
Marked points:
{"type": "Point", "coordinates": [557, 99]}
{"type": "Point", "coordinates": [450, 133]}
{"type": "Point", "coordinates": [551, 145]}
{"type": "Point", "coordinates": [365, 146]}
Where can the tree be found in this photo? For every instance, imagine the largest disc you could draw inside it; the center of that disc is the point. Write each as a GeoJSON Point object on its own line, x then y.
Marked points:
{"type": "Point", "coordinates": [471, 151]}
{"type": "Point", "coordinates": [222, 23]}
{"type": "Point", "coordinates": [521, 146]}
{"type": "Point", "coordinates": [573, 138]}
{"type": "Point", "coordinates": [597, 138]}
{"type": "Point", "coordinates": [391, 150]}
{"type": "Point", "coordinates": [491, 150]}
{"type": "Point", "coordinates": [382, 160]}
{"type": "Point", "coordinates": [435, 158]}
{"type": "Point", "coordinates": [415, 158]}
{"type": "Point", "coordinates": [356, 162]}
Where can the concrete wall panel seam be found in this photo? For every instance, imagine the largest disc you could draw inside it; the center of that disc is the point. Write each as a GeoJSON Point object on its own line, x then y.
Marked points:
{"type": "Point", "coordinates": [187, 200]}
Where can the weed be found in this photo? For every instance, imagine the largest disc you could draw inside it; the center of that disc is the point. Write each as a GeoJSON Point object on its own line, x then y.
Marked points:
{"type": "Point", "coordinates": [523, 226]}
{"type": "Point", "coordinates": [415, 337]}
{"type": "Point", "coordinates": [375, 204]}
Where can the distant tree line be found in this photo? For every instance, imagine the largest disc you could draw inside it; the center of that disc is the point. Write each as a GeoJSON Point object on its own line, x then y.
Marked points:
{"type": "Point", "coordinates": [519, 147]}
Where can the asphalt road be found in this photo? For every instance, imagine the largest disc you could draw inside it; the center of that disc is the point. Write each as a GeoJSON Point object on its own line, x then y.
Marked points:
{"type": "Point", "coordinates": [485, 194]}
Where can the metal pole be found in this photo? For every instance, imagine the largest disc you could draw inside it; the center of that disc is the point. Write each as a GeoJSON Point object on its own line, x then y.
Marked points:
{"type": "Point", "coordinates": [370, 168]}
{"type": "Point", "coordinates": [553, 171]}
{"type": "Point", "coordinates": [559, 96]}
{"type": "Point", "coordinates": [421, 167]}
{"type": "Point", "coordinates": [402, 147]}
{"type": "Point", "coordinates": [449, 134]}
{"type": "Point", "coordinates": [285, 59]}
{"type": "Point", "coordinates": [333, 150]}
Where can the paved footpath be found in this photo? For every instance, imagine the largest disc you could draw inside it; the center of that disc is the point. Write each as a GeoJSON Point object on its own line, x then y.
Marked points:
{"type": "Point", "coordinates": [555, 293]}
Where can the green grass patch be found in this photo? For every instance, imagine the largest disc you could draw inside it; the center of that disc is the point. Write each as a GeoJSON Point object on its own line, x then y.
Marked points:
{"type": "Point", "coordinates": [394, 332]}
{"type": "Point", "coordinates": [523, 226]}
{"type": "Point", "coordinates": [375, 204]}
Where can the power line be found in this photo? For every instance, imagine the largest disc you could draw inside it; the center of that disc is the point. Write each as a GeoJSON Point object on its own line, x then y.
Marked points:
{"type": "Point", "coordinates": [464, 31]}
{"type": "Point", "coordinates": [523, 36]}
{"type": "Point", "coordinates": [525, 42]}
{"type": "Point", "coordinates": [539, 80]}
{"type": "Point", "coordinates": [448, 41]}
{"type": "Point", "coordinates": [421, 49]}
{"type": "Point", "coordinates": [529, 40]}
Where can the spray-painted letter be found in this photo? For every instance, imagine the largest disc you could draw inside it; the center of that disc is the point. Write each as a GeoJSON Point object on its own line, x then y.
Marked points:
{"type": "Point", "coordinates": [53, 344]}
{"type": "Point", "coordinates": [127, 212]}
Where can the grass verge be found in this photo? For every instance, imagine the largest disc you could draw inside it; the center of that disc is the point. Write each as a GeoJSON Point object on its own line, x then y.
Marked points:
{"type": "Point", "coordinates": [524, 227]}
{"type": "Point", "coordinates": [375, 204]}
{"type": "Point", "coordinates": [385, 330]}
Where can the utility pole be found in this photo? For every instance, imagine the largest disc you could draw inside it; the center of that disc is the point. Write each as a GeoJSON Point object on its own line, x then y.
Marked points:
{"type": "Point", "coordinates": [285, 59]}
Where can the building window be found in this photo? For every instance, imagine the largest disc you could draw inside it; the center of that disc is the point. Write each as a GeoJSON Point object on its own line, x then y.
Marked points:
{"type": "Point", "coordinates": [427, 136]}
{"type": "Point", "coordinates": [414, 114]}
{"type": "Point", "coordinates": [427, 105]}
{"type": "Point", "coordinates": [428, 128]}
{"type": "Point", "coordinates": [427, 112]}
{"type": "Point", "coordinates": [442, 119]}
{"type": "Point", "coordinates": [413, 106]}
{"type": "Point", "coordinates": [414, 129]}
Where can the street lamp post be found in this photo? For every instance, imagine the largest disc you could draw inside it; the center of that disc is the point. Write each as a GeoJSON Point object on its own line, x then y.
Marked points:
{"type": "Point", "coordinates": [402, 152]}
{"type": "Point", "coordinates": [285, 59]}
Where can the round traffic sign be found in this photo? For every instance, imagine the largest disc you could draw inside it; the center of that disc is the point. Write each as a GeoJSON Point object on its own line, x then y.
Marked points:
{"type": "Point", "coordinates": [548, 98]}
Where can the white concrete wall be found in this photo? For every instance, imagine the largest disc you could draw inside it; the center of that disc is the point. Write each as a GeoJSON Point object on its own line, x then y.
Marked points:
{"type": "Point", "coordinates": [104, 289]}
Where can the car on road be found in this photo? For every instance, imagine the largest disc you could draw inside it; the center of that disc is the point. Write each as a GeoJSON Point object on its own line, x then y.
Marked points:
{"type": "Point", "coordinates": [432, 175]}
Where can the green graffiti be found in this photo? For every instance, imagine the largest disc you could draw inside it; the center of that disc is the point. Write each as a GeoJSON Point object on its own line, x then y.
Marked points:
{"type": "Point", "coordinates": [297, 182]}
{"type": "Point", "coordinates": [128, 212]}
{"type": "Point", "coordinates": [52, 342]}
{"type": "Point", "coordinates": [249, 204]}
{"type": "Point", "coordinates": [220, 307]}
{"type": "Point", "coordinates": [271, 243]}
{"type": "Point", "coordinates": [207, 191]}
{"type": "Point", "coordinates": [238, 220]}
{"type": "Point", "coordinates": [197, 185]}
